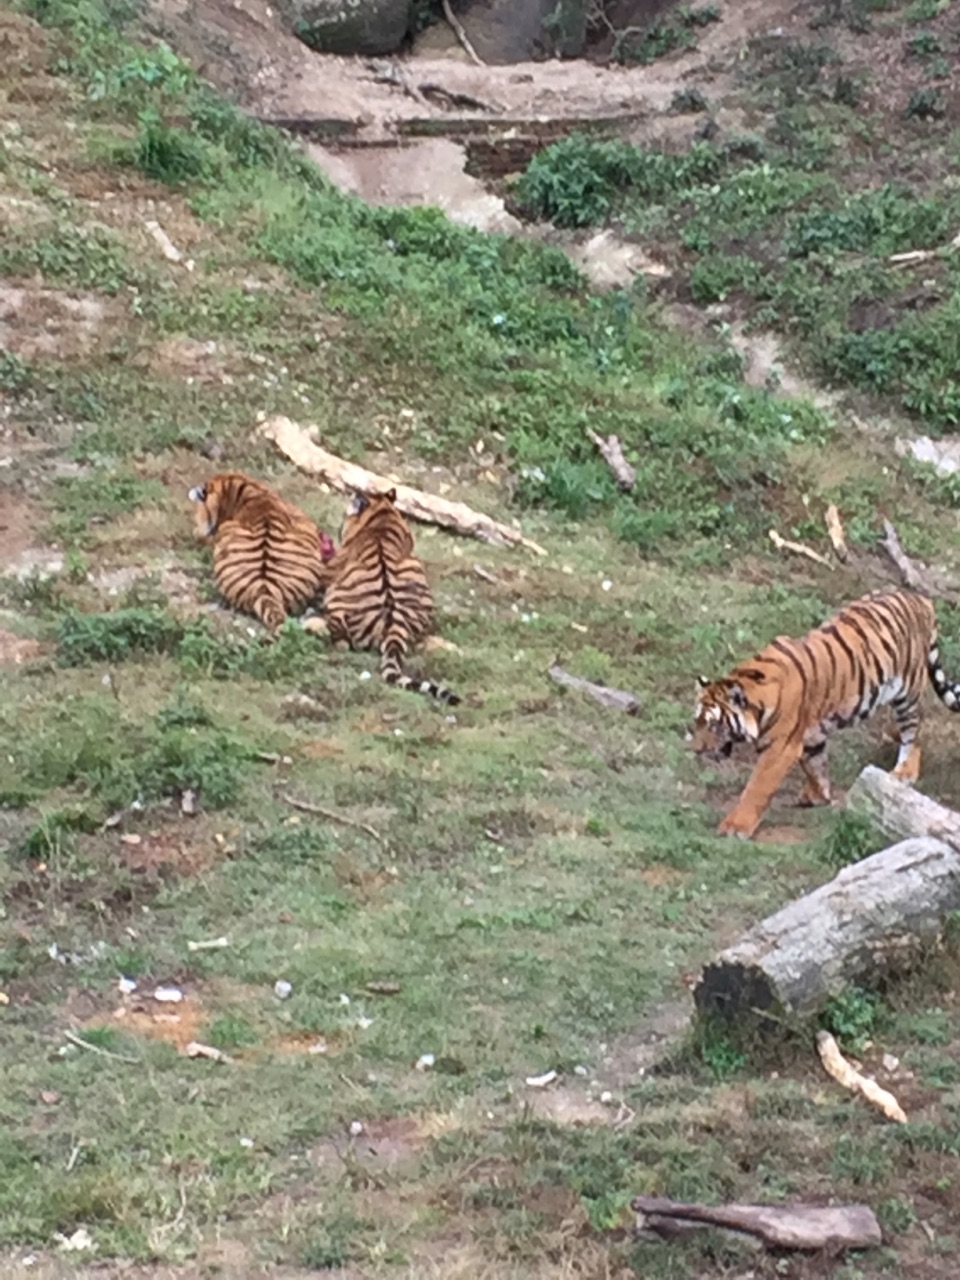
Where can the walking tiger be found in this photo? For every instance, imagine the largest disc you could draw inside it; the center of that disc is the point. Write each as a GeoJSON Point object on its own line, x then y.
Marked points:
{"type": "Point", "coordinates": [880, 650]}
{"type": "Point", "coordinates": [269, 557]}
{"type": "Point", "coordinates": [378, 596]}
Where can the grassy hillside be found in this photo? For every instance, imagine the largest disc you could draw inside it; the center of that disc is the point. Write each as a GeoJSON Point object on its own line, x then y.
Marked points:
{"type": "Point", "coordinates": [511, 890]}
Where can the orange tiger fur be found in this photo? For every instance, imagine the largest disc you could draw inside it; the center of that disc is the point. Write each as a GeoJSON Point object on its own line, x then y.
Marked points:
{"type": "Point", "coordinates": [378, 596]}
{"type": "Point", "coordinates": [267, 553]}
{"type": "Point", "coordinates": [879, 650]}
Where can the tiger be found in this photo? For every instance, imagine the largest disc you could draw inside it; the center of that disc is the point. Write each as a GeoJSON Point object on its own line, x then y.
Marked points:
{"type": "Point", "coordinates": [269, 557]}
{"type": "Point", "coordinates": [878, 651]}
{"type": "Point", "coordinates": [378, 596]}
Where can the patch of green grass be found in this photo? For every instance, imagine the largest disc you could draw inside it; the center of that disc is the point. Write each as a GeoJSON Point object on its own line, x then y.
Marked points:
{"type": "Point", "coordinates": [81, 257]}
{"type": "Point", "coordinates": [99, 496]}
{"type": "Point", "coordinates": [853, 1017]}
{"type": "Point", "coordinates": [115, 637]}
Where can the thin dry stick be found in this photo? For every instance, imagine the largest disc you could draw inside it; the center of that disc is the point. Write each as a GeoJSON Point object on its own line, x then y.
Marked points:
{"type": "Point", "coordinates": [784, 544]}
{"type": "Point", "coordinates": [835, 531]}
{"type": "Point", "coordinates": [319, 812]}
{"type": "Point", "coordinates": [457, 27]}
{"type": "Point", "coordinates": [612, 454]}
{"type": "Point", "coordinates": [95, 1048]}
{"type": "Point", "coordinates": [836, 1065]}
{"type": "Point", "coordinates": [911, 575]}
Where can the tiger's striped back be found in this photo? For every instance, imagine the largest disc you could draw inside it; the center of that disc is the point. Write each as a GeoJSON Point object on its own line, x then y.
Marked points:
{"type": "Point", "coordinates": [379, 597]}
{"type": "Point", "coordinates": [878, 651]}
{"type": "Point", "coordinates": [267, 554]}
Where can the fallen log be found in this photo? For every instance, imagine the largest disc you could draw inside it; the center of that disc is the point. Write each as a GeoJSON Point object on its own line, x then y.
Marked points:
{"type": "Point", "coordinates": [899, 811]}
{"type": "Point", "coordinates": [781, 1226]}
{"type": "Point", "coordinates": [614, 699]}
{"type": "Point", "coordinates": [872, 918]}
{"type": "Point", "coordinates": [297, 444]}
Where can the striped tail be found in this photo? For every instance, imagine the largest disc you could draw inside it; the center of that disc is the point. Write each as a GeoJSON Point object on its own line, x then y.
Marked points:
{"type": "Point", "coordinates": [268, 607]}
{"type": "Point", "coordinates": [947, 691]}
{"type": "Point", "coordinates": [391, 670]}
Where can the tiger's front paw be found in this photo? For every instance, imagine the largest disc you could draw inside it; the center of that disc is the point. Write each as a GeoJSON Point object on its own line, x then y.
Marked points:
{"type": "Point", "coordinates": [736, 825]}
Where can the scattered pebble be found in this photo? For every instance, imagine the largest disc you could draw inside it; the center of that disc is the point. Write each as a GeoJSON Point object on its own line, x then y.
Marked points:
{"type": "Point", "coordinates": [426, 1061]}
{"type": "Point", "coordinates": [319, 1046]}
{"type": "Point", "coordinates": [81, 1239]}
{"type": "Point", "coordinates": [246, 1142]}
{"type": "Point", "coordinates": [168, 995]}
{"type": "Point", "coordinates": [131, 837]}
{"type": "Point", "coordinates": [344, 999]}
{"type": "Point", "coordinates": [606, 1097]}
{"type": "Point", "coordinates": [580, 1070]}
{"type": "Point", "coordinates": [356, 1128]}
{"type": "Point", "coordinates": [606, 584]}
{"type": "Point", "coordinates": [127, 986]}
{"type": "Point", "coordinates": [282, 988]}
{"type": "Point", "coordinates": [541, 1082]}
{"type": "Point", "coordinates": [890, 1063]}
{"type": "Point", "coordinates": [209, 944]}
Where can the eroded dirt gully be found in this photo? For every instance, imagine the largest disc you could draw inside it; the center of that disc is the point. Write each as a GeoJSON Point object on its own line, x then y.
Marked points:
{"type": "Point", "coordinates": [376, 135]}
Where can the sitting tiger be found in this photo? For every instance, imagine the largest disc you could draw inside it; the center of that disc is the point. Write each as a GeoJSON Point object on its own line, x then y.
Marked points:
{"type": "Point", "coordinates": [378, 596]}
{"type": "Point", "coordinates": [879, 650]}
{"type": "Point", "coordinates": [269, 557]}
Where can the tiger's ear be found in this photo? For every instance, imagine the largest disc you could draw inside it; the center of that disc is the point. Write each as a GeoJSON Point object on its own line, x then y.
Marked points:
{"type": "Point", "coordinates": [391, 495]}
{"type": "Point", "coordinates": [703, 682]}
{"type": "Point", "coordinates": [358, 503]}
{"type": "Point", "coordinates": [198, 493]}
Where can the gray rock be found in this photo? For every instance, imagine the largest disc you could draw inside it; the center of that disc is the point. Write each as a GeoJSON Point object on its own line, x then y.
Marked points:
{"type": "Point", "coordinates": [368, 27]}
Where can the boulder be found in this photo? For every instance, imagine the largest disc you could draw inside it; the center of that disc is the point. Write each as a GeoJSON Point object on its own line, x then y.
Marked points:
{"type": "Point", "coordinates": [367, 27]}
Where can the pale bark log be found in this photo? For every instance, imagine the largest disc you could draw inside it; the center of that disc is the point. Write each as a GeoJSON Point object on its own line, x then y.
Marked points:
{"type": "Point", "coordinates": [295, 441]}
{"type": "Point", "coordinates": [871, 919]}
{"type": "Point", "coordinates": [900, 811]}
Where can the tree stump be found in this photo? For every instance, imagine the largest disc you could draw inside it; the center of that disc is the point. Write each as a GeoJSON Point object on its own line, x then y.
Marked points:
{"type": "Point", "coordinates": [874, 917]}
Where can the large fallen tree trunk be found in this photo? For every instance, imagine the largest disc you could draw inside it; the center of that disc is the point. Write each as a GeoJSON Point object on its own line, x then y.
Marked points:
{"type": "Point", "coordinates": [872, 918]}
{"type": "Point", "coordinates": [296, 442]}
{"type": "Point", "coordinates": [900, 811]}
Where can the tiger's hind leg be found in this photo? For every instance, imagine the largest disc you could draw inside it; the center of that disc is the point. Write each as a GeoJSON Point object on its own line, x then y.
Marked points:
{"type": "Point", "coordinates": [813, 762]}
{"type": "Point", "coordinates": [906, 711]}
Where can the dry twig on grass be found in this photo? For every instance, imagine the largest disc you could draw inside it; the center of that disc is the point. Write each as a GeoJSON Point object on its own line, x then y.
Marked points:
{"type": "Point", "coordinates": [457, 27]}
{"type": "Point", "coordinates": [320, 812]}
{"type": "Point", "coordinates": [612, 453]}
{"type": "Point", "coordinates": [836, 534]}
{"type": "Point", "coordinates": [923, 255]}
{"type": "Point", "coordinates": [784, 544]}
{"type": "Point", "coordinates": [295, 442]}
{"type": "Point", "coordinates": [615, 699]}
{"type": "Point", "coordinates": [915, 577]}
{"type": "Point", "coordinates": [95, 1048]}
{"type": "Point", "coordinates": [836, 1065]}
{"type": "Point", "coordinates": [781, 1226]}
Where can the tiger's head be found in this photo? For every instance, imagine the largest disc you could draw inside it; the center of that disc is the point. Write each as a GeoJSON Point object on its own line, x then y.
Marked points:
{"type": "Point", "coordinates": [364, 510]}
{"type": "Point", "coordinates": [727, 711]}
{"type": "Point", "coordinates": [218, 499]}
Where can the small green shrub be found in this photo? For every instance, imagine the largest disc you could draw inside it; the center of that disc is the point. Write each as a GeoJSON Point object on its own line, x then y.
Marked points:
{"type": "Point", "coordinates": [851, 838]}
{"type": "Point", "coordinates": [168, 153]}
{"type": "Point", "coordinates": [853, 1017]}
{"type": "Point", "coordinates": [925, 104]}
{"type": "Point", "coordinates": [83, 638]}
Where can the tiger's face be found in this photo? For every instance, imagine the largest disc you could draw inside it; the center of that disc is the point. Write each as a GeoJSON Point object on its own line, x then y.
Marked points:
{"type": "Point", "coordinates": [722, 717]}
{"type": "Point", "coordinates": [218, 499]}
{"type": "Point", "coordinates": [363, 509]}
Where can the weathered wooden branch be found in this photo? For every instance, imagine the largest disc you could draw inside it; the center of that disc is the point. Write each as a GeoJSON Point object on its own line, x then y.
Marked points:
{"type": "Point", "coordinates": [612, 454]}
{"type": "Point", "coordinates": [900, 811]}
{"type": "Point", "coordinates": [835, 533]}
{"type": "Point", "coordinates": [615, 699]}
{"type": "Point", "coordinates": [915, 577]}
{"type": "Point", "coordinates": [295, 441]}
{"type": "Point", "coordinates": [845, 1073]}
{"type": "Point", "coordinates": [458, 30]}
{"type": "Point", "coordinates": [873, 917]}
{"type": "Point", "coordinates": [798, 549]}
{"type": "Point", "coordinates": [782, 1226]}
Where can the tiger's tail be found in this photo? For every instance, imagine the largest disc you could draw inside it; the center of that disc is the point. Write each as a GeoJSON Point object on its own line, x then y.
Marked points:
{"type": "Point", "coordinates": [268, 607]}
{"type": "Point", "coordinates": [391, 670]}
{"type": "Point", "coordinates": [946, 690]}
